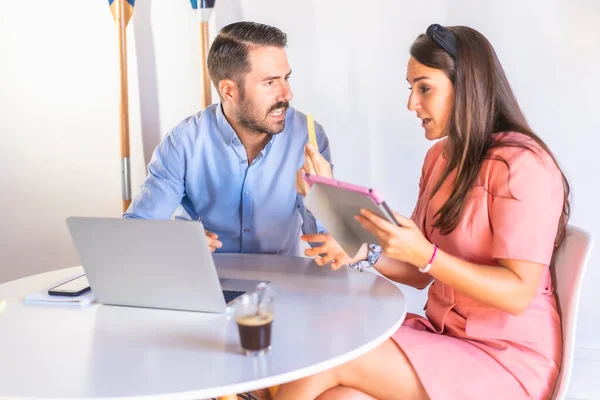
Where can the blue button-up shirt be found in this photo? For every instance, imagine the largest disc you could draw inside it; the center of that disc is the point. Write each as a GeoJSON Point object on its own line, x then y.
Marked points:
{"type": "Point", "coordinates": [201, 169]}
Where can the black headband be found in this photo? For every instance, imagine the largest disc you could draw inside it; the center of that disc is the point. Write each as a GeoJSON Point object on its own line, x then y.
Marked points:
{"type": "Point", "coordinates": [444, 38]}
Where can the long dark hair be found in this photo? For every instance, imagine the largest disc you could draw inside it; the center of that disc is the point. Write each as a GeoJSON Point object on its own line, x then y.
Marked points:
{"type": "Point", "coordinates": [484, 104]}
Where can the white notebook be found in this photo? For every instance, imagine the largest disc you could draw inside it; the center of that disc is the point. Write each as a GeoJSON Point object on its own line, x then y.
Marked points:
{"type": "Point", "coordinates": [43, 298]}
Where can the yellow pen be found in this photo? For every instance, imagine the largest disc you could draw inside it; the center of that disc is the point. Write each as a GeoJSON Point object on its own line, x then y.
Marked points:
{"type": "Point", "coordinates": [312, 137]}
{"type": "Point", "coordinates": [2, 305]}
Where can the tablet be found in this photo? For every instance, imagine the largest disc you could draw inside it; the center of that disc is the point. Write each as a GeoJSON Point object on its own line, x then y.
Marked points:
{"type": "Point", "coordinates": [335, 203]}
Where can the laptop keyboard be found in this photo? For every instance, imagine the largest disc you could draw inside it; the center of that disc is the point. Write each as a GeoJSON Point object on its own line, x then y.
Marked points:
{"type": "Point", "coordinates": [231, 295]}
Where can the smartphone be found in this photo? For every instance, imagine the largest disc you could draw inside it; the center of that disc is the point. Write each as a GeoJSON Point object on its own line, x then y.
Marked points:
{"type": "Point", "coordinates": [74, 287]}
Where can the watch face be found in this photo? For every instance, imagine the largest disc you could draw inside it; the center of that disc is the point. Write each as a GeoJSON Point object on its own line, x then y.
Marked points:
{"type": "Point", "coordinates": [360, 265]}
{"type": "Point", "coordinates": [373, 254]}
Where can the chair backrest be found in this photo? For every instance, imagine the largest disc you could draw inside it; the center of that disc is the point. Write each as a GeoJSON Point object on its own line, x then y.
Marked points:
{"type": "Point", "coordinates": [568, 269]}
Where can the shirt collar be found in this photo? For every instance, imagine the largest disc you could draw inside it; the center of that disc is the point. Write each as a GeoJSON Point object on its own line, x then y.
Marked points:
{"type": "Point", "coordinates": [224, 126]}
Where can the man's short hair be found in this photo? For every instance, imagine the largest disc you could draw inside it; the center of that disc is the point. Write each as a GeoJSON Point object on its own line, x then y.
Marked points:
{"type": "Point", "coordinates": [228, 55]}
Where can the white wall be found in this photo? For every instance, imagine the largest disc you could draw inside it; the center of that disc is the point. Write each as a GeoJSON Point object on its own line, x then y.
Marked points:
{"type": "Point", "coordinates": [59, 101]}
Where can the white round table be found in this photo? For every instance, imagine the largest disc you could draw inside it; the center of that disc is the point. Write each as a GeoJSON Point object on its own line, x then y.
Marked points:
{"type": "Point", "coordinates": [323, 318]}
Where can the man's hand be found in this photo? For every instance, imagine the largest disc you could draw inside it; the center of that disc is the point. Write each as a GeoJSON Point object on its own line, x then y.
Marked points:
{"type": "Point", "coordinates": [314, 164]}
{"type": "Point", "coordinates": [213, 243]}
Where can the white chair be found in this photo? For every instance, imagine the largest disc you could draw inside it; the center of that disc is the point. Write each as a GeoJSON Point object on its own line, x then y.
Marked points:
{"type": "Point", "coordinates": [568, 269]}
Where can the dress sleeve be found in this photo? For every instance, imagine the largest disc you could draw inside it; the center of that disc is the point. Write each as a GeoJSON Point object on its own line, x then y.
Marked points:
{"type": "Point", "coordinates": [526, 205]}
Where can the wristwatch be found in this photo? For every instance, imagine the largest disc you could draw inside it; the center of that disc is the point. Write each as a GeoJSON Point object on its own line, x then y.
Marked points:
{"type": "Point", "coordinates": [372, 256]}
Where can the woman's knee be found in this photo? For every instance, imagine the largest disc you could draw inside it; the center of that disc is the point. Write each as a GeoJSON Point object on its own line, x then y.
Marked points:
{"type": "Point", "coordinates": [344, 393]}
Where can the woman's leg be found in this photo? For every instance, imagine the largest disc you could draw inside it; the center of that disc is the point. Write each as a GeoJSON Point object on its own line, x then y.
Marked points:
{"type": "Point", "coordinates": [384, 373]}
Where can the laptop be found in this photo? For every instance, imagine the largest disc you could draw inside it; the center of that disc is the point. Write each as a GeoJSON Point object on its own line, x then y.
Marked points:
{"type": "Point", "coordinates": [152, 263]}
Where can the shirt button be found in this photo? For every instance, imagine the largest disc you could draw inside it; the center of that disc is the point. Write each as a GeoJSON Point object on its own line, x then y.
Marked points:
{"type": "Point", "coordinates": [246, 230]}
{"type": "Point", "coordinates": [246, 193]}
{"type": "Point", "coordinates": [244, 161]}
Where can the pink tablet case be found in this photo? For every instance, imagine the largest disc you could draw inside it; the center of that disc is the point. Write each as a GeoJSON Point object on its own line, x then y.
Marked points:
{"type": "Point", "coordinates": [372, 193]}
{"type": "Point", "coordinates": [335, 203]}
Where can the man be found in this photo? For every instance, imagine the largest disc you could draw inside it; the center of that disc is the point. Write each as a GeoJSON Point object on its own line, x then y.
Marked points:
{"type": "Point", "coordinates": [233, 165]}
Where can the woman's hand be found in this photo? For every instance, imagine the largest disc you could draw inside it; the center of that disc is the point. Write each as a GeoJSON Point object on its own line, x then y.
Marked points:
{"type": "Point", "coordinates": [330, 251]}
{"type": "Point", "coordinates": [314, 164]}
{"type": "Point", "coordinates": [404, 243]}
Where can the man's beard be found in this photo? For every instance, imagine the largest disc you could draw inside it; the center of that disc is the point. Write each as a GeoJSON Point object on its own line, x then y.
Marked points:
{"type": "Point", "coordinates": [251, 120]}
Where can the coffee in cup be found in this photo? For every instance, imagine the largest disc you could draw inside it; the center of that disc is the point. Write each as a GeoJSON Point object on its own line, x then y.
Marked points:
{"type": "Point", "coordinates": [254, 317]}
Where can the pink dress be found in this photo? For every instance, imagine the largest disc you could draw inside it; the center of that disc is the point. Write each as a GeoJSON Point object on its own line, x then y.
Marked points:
{"type": "Point", "coordinates": [465, 349]}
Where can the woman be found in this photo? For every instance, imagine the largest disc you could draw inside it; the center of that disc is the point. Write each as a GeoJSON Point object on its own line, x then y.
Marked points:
{"type": "Point", "coordinates": [493, 205]}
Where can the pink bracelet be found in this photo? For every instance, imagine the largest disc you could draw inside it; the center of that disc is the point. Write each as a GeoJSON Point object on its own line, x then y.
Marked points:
{"type": "Point", "coordinates": [428, 266]}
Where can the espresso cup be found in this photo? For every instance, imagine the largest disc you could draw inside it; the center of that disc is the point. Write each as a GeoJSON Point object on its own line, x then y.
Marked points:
{"type": "Point", "coordinates": [254, 317]}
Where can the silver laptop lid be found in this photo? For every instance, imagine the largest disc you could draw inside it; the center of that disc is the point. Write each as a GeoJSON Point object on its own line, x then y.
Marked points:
{"type": "Point", "coordinates": [148, 263]}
